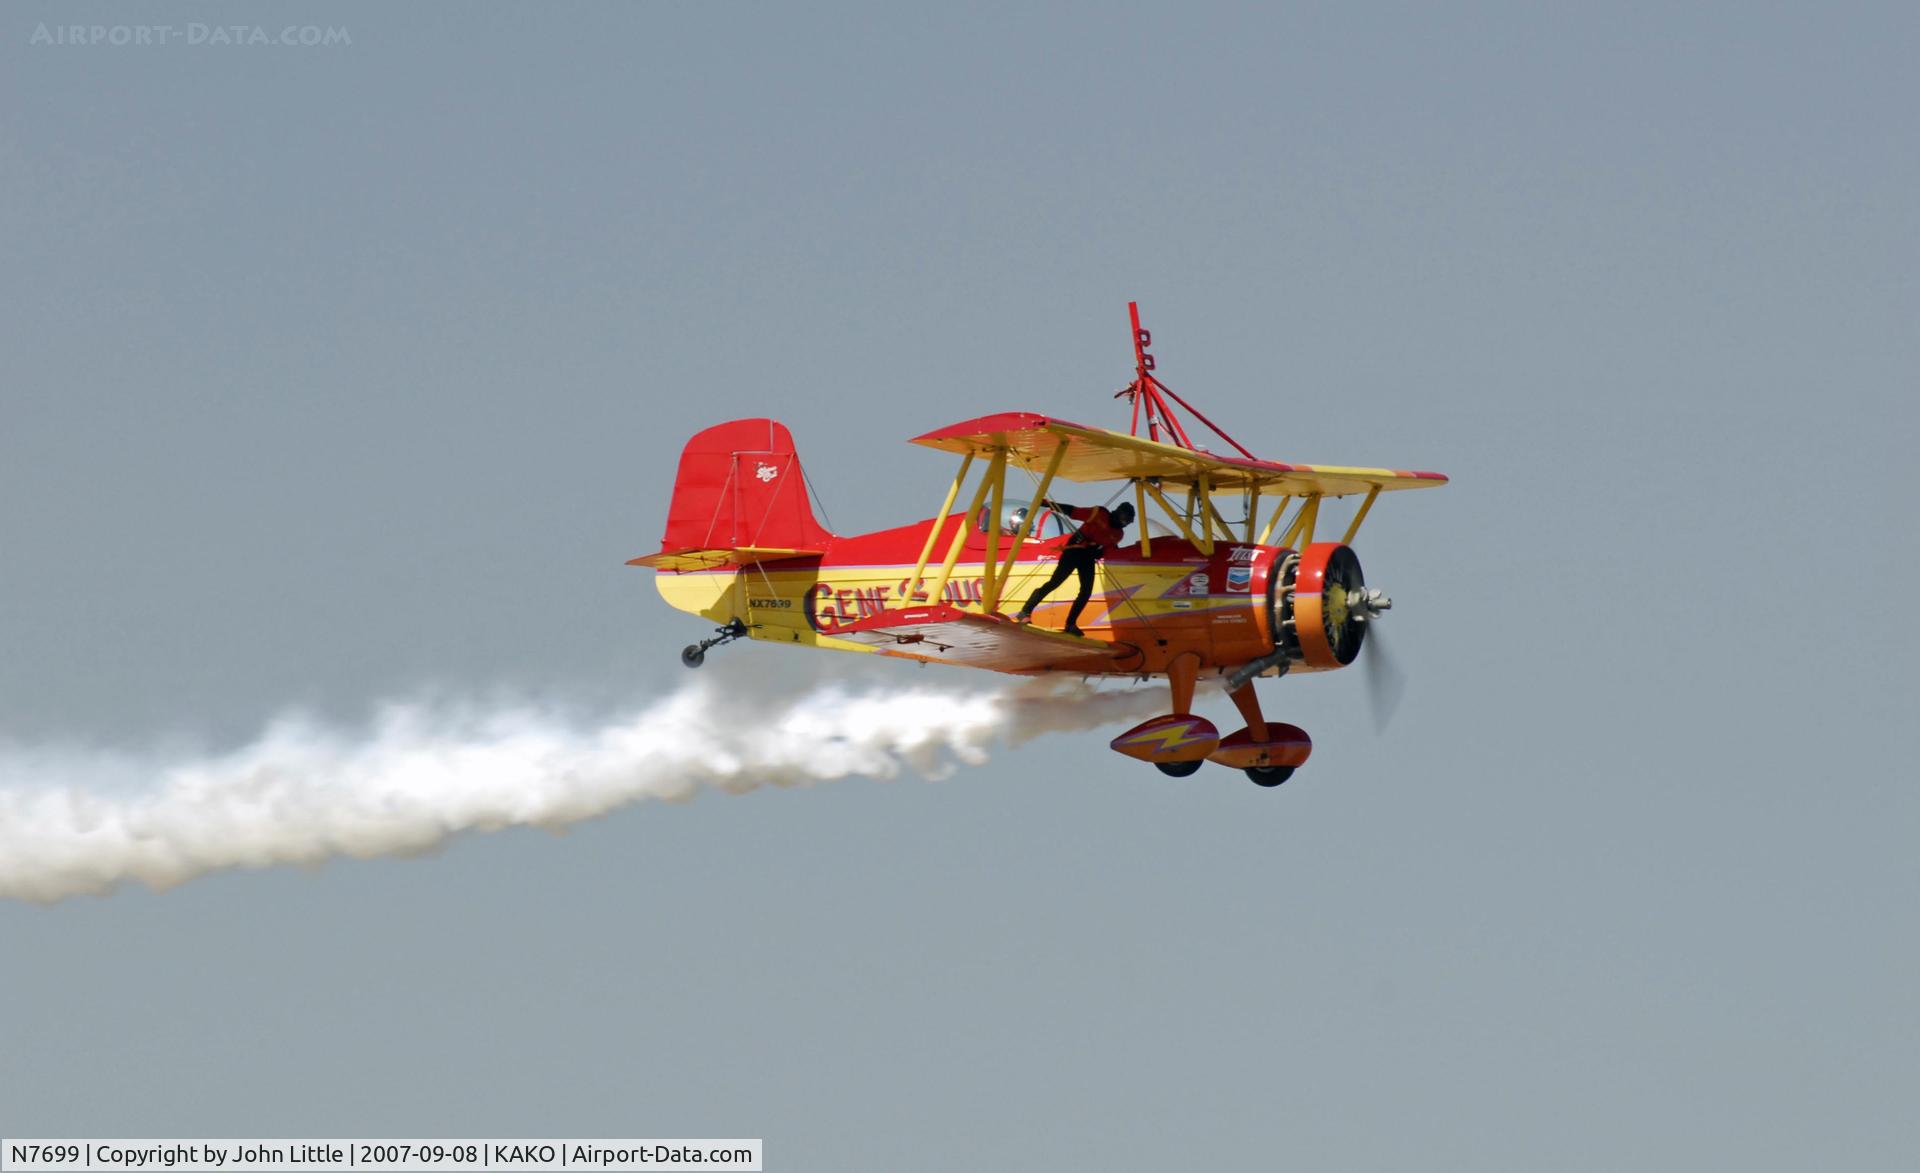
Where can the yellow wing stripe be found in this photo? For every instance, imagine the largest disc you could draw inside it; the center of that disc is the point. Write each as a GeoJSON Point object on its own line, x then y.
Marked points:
{"type": "Point", "coordinates": [1097, 454]}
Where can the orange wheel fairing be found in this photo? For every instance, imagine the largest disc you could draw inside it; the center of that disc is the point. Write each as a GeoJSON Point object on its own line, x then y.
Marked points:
{"type": "Point", "coordinates": [1284, 745]}
{"type": "Point", "coordinates": [1176, 737]}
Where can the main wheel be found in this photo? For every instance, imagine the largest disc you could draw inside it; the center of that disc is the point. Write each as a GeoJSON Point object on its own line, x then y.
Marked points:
{"type": "Point", "coordinates": [1269, 775]}
{"type": "Point", "coordinates": [693, 655]}
{"type": "Point", "coordinates": [1177, 769]}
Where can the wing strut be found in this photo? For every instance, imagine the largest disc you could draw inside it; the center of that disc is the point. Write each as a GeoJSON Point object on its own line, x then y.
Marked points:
{"type": "Point", "coordinates": [995, 471]}
{"type": "Point", "coordinates": [939, 520]}
{"type": "Point", "coordinates": [997, 582]}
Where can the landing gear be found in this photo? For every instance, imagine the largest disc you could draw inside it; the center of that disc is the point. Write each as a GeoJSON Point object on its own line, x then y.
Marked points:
{"type": "Point", "coordinates": [694, 655]}
{"type": "Point", "coordinates": [1267, 752]}
{"type": "Point", "coordinates": [1269, 775]}
{"type": "Point", "coordinates": [1177, 743]}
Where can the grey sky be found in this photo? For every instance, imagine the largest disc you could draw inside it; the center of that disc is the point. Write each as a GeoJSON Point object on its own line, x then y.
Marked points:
{"type": "Point", "coordinates": [336, 374]}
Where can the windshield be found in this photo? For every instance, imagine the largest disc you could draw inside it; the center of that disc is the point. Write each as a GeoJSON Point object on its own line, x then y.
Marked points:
{"type": "Point", "coordinates": [1051, 525]}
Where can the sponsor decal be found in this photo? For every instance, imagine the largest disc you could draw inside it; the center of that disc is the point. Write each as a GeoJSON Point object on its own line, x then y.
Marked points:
{"type": "Point", "coordinates": [1242, 555]}
{"type": "Point", "coordinates": [1197, 583]}
{"type": "Point", "coordinates": [1239, 579]}
{"type": "Point", "coordinates": [828, 606]}
{"type": "Point", "coordinates": [766, 472]}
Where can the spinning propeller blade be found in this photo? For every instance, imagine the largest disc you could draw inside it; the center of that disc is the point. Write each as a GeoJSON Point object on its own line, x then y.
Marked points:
{"type": "Point", "coordinates": [1385, 682]}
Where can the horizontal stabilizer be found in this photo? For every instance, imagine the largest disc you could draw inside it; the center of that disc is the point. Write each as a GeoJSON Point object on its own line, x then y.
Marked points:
{"type": "Point", "coordinates": [689, 558]}
{"type": "Point", "coordinates": [952, 636]}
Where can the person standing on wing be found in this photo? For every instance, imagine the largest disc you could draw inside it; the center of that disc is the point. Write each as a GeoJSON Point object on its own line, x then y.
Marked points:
{"type": "Point", "coordinates": [1099, 530]}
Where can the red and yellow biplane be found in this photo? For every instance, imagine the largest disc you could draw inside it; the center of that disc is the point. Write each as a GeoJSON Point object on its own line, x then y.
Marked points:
{"type": "Point", "coordinates": [1197, 594]}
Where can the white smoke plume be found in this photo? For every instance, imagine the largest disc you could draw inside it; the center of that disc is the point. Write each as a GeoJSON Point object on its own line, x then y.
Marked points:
{"type": "Point", "coordinates": [302, 794]}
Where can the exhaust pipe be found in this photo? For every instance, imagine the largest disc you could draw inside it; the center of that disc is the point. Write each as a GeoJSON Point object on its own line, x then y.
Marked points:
{"type": "Point", "coordinates": [1253, 668]}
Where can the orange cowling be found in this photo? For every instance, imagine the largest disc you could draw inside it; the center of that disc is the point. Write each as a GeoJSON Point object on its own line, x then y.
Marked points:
{"type": "Point", "coordinates": [1284, 745]}
{"type": "Point", "coordinates": [1323, 621]}
{"type": "Point", "coordinates": [1176, 737]}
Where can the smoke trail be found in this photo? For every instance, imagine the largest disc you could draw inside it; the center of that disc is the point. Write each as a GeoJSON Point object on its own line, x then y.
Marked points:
{"type": "Point", "coordinates": [303, 794]}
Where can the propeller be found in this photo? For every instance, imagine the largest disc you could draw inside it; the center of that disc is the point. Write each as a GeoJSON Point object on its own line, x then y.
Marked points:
{"type": "Point", "coordinates": [1385, 682]}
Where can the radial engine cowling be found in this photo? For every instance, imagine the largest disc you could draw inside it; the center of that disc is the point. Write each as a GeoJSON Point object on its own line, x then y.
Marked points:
{"type": "Point", "coordinates": [1321, 607]}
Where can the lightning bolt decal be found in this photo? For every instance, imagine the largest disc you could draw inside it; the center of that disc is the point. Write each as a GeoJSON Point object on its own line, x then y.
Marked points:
{"type": "Point", "coordinates": [1170, 736]}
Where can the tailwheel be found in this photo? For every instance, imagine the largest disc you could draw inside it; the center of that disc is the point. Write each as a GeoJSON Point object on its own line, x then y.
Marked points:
{"type": "Point", "coordinates": [1183, 769]}
{"type": "Point", "coordinates": [1269, 775]}
{"type": "Point", "coordinates": [694, 655]}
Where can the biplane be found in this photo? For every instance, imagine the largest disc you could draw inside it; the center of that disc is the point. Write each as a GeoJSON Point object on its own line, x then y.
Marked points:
{"type": "Point", "coordinates": [1198, 594]}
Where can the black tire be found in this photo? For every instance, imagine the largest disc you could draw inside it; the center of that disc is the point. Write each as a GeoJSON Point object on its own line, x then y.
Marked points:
{"type": "Point", "coordinates": [1269, 775]}
{"type": "Point", "coordinates": [693, 655]}
{"type": "Point", "coordinates": [1177, 769]}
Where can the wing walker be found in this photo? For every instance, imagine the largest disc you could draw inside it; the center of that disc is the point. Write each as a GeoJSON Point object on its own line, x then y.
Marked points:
{"type": "Point", "coordinates": [1197, 594]}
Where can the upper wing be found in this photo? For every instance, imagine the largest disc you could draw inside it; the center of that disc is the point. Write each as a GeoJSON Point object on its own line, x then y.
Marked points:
{"type": "Point", "coordinates": [1097, 454]}
{"type": "Point", "coordinates": [952, 636]}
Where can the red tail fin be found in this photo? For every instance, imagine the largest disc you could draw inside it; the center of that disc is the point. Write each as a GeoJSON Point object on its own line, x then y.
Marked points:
{"type": "Point", "coordinates": [740, 491]}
